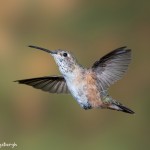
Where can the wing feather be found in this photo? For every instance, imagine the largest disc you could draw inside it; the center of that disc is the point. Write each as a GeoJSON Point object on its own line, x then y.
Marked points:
{"type": "Point", "coordinates": [52, 84]}
{"type": "Point", "coordinates": [112, 66]}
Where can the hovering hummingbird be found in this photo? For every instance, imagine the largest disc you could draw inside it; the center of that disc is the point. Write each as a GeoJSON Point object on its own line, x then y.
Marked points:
{"type": "Point", "coordinates": [89, 86]}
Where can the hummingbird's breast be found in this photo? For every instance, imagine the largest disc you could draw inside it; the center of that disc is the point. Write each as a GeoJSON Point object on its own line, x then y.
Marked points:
{"type": "Point", "coordinates": [85, 89]}
{"type": "Point", "coordinates": [92, 90]}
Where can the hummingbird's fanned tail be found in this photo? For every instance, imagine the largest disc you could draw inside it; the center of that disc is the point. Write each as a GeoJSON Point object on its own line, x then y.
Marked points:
{"type": "Point", "coordinates": [120, 107]}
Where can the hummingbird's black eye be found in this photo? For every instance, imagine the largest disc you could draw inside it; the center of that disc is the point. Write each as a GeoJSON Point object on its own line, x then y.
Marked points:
{"type": "Point", "coordinates": [65, 54]}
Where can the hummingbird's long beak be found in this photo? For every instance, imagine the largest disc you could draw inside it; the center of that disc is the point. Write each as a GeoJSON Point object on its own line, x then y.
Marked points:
{"type": "Point", "coordinates": [44, 49]}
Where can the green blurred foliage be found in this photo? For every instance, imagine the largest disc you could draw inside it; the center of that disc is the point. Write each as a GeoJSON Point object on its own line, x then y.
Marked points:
{"type": "Point", "coordinates": [37, 120]}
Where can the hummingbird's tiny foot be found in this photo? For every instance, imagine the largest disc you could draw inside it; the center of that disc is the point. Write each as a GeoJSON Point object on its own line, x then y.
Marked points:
{"type": "Point", "coordinates": [86, 107]}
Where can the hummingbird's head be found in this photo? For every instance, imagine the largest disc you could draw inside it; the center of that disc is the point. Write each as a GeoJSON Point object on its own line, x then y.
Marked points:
{"type": "Point", "coordinates": [64, 59]}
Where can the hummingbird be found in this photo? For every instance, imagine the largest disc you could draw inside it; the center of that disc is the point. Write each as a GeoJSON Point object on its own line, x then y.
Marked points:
{"type": "Point", "coordinates": [88, 86]}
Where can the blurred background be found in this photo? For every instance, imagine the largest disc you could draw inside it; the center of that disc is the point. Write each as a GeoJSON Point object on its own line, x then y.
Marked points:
{"type": "Point", "coordinates": [37, 120]}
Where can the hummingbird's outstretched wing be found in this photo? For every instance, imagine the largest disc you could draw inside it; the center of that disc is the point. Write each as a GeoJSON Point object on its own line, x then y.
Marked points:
{"type": "Point", "coordinates": [112, 66]}
{"type": "Point", "coordinates": [52, 84]}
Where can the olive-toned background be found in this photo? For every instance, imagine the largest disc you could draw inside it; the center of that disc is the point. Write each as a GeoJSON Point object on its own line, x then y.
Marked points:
{"type": "Point", "coordinates": [37, 120]}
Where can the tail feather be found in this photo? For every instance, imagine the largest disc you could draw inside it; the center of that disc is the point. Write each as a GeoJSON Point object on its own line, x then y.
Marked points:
{"type": "Point", "coordinates": [125, 109]}
{"type": "Point", "coordinates": [122, 108]}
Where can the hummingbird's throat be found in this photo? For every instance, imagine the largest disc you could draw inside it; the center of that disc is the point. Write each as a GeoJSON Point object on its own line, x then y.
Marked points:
{"type": "Point", "coordinates": [64, 69]}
